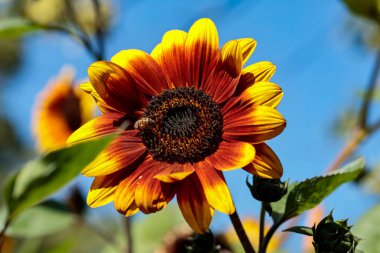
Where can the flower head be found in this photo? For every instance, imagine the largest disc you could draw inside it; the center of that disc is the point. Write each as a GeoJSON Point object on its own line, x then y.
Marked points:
{"type": "Point", "coordinates": [61, 108]}
{"type": "Point", "coordinates": [193, 112]}
{"type": "Point", "coordinates": [333, 236]}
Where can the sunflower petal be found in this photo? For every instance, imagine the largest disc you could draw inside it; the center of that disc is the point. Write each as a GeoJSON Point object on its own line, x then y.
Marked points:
{"type": "Point", "coordinates": [215, 187]}
{"type": "Point", "coordinates": [247, 46]}
{"type": "Point", "coordinates": [121, 153]}
{"type": "Point", "coordinates": [201, 50]}
{"type": "Point", "coordinates": [102, 189]}
{"type": "Point", "coordinates": [223, 79]}
{"type": "Point", "coordinates": [152, 195]}
{"type": "Point", "coordinates": [193, 204]}
{"type": "Point", "coordinates": [143, 69]}
{"type": "Point", "coordinates": [232, 58]}
{"type": "Point", "coordinates": [124, 199]}
{"type": "Point", "coordinates": [116, 87]}
{"type": "Point", "coordinates": [105, 124]}
{"type": "Point", "coordinates": [262, 93]}
{"type": "Point", "coordinates": [266, 163]}
{"type": "Point", "coordinates": [103, 106]}
{"type": "Point", "coordinates": [175, 172]}
{"type": "Point", "coordinates": [170, 55]}
{"type": "Point", "coordinates": [252, 123]}
{"type": "Point", "coordinates": [257, 72]}
{"type": "Point", "coordinates": [232, 155]}
{"type": "Point", "coordinates": [262, 71]}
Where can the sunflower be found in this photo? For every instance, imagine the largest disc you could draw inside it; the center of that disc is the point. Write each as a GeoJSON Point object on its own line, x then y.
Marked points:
{"type": "Point", "coordinates": [61, 108]}
{"type": "Point", "coordinates": [197, 113]}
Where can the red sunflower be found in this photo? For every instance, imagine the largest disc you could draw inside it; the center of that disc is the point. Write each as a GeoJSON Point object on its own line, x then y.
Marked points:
{"type": "Point", "coordinates": [197, 114]}
{"type": "Point", "coordinates": [61, 108]}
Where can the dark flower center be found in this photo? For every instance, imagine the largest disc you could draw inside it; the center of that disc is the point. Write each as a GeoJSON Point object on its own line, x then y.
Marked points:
{"type": "Point", "coordinates": [72, 111]}
{"type": "Point", "coordinates": [69, 108]}
{"type": "Point", "coordinates": [186, 126]}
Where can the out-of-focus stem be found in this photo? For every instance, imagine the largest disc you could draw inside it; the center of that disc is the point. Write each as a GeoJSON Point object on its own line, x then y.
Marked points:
{"type": "Point", "coordinates": [238, 226]}
{"type": "Point", "coordinates": [363, 129]}
{"type": "Point", "coordinates": [99, 30]}
{"type": "Point", "coordinates": [128, 231]}
{"type": "Point", "coordinates": [348, 149]}
{"type": "Point", "coordinates": [363, 115]}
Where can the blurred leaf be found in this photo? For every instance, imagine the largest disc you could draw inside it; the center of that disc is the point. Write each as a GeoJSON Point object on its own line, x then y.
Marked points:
{"type": "Point", "coordinates": [367, 229]}
{"type": "Point", "coordinates": [48, 218]}
{"type": "Point", "coordinates": [44, 176]}
{"type": "Point", "coordinates": [376, 95]}
{"type": "Point", "coordinates": [30, 245]}
{"type": "Point", "coordinates": [369, 9]}
{"type": "Point", "coordinates": [309, 193]}
{"type": "Point", "coordinates": [344, 124]}
{"type": "Point", "coordinates": [11, 52]}
{"type": "Point", "coordinates": [300, 230]}
{"type": "Point", "coordinates": [371, 180]}
{"type": "Point", "coordinates": [16, 27]}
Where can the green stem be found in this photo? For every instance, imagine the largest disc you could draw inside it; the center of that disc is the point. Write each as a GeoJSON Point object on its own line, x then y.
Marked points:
{"type": "Point", "coordinates": [238, 226]}
{"type": "Point", "coordinates": [269, 235]}
{"type": "Point", "coordinates": [262, 226]}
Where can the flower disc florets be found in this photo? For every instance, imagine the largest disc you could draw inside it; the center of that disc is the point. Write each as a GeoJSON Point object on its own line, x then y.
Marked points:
{"type": "Point", "coordinates": [188, 126]}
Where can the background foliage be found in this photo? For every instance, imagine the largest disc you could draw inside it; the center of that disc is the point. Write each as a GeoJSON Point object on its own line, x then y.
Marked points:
{"type": "Point", "coordinates": [324, 53]}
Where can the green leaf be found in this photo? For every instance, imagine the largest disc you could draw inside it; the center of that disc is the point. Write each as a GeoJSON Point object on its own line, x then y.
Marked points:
{"type": "Point", "coordinates": [367, 229]}
{"type": "Point", "coordinates": [278, 208]}
{"type": "Point", "coordinates": [300, 230]}
{"type": "Point", "coordinates": [309, 193]}
{"type": "Point", "coordinates": [44, 176]}
{"type": "Point", "coordinates": [15, 27]}
{"type": "Point", "coordinates": [45, 219]}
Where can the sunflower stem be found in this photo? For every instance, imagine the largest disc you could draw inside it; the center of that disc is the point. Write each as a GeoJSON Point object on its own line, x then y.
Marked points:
{"type": "Point", "coordinates": [238, 226]}
{"type": "Point", "coordinates": [128, 231]}
{"type": "Point", "coordinates": [262, 224]}
{"type": "Point", "coordinates": [269, 235]}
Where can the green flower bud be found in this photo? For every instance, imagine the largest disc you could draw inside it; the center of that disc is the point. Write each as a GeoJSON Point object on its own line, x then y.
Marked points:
{"type": "Point", "coordinates": [205, 243]}
{"type": "Point", "coordinates": [267, 190]}
{"type": "Point", "coordinates": [333, 236]}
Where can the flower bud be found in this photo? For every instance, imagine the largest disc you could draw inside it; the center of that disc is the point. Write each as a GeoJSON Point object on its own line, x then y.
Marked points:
{"type": "Point", "coordinates": [267, 190]}
{"type": "Point", "coordinates": [333, 236]}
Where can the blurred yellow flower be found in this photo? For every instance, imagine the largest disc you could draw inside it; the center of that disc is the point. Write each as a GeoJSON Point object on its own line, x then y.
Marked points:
{"type": "Point", "coordinates": [44, 11]}
{"type": "Point", "coordinates": [60, 109]}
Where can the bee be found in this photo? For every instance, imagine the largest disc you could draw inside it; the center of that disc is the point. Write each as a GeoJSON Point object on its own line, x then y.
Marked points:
{"type": "Point", "coordinates": [144, 123]}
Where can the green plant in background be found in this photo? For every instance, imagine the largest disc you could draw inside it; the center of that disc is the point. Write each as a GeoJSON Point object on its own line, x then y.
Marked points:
{"type": "Point", "coordinates": [26, 191]}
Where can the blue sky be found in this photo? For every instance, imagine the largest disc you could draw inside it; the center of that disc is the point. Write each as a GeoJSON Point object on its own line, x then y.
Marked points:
{"type": "Point", "coordinates": [318, 66]}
